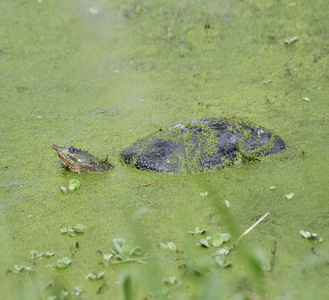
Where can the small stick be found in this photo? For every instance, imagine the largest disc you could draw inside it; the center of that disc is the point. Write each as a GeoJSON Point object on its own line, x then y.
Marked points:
{"type": "Point", "coordinates": [246, 232]}
{"type": "Point", "coordinates": [146, 184]}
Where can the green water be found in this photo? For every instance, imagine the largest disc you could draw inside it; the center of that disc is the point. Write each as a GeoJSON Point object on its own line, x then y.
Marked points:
{"type": "Point", "coordinates": [99, 81]}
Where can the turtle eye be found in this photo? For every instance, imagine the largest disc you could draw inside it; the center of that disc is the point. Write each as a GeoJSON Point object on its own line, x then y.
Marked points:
{"type": "Point", "coordinates": [72, 150]}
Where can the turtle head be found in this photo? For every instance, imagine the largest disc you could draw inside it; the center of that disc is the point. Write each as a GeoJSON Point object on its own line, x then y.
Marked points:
{"type": "Point", "coordinates": [80, 161]}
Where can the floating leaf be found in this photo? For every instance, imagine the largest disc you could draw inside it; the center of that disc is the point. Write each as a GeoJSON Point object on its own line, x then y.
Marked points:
{"type": "Point", "coordinates": [204, 243]}
{"type": "Point", "coordinates": [78, 291]}
{"type": "Point", "coordinates": [308, 235]}
{"type": "Point", "coordinates": [272, 187]}
{"type": "Point", "coordinates": [18, 269]}
{"type": "Point", "coordinates": [290, 196]}
{"type": "Point", "coordinates": [169, 280]}
{"type": "Point", "coordinates": [197, 230]}
{"type": "Point", "coordinates": [169, 245]}
{"type": "Point", "coordinates": [137, 251]}
{"type": "Point", "coordinates": [108, 256]}
{"type": "Point", "coordinates": [94, 276]}
{"type": "Point", "coordinates": [227, 203]}
{"type": "Point", "coordinates": [118, 244]}
{"type": "Point", "coordinates": [49, 253]}
{"type": "Point", "coordinates": [63, 262]}
{"type": "Point", "coordinates": [63, 189]}
{"type": "Point", "coordinates": [306, 99]}
{"type": "Point", "coordinates": [93, 10]}
{"type": "Point", "coordinates": [222, 262]}
{"type": "Point", "coordinates": [204, 194]}
{"type": "Point", "coordinates": [63, 230]}
{"type": "Point", "coordinates": [221, 251]}
{"type": "Point", "coordinates": [34, 254]}
{"type": "Point", "coordinates": [79, 228]}
{"type": "Point", "coordinates": [74, 184]}
{"type": "Point", "coordinates": [221, 238]}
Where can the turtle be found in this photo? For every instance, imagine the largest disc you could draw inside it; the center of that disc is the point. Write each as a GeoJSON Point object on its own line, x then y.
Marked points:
{"type": "Point", "coordinates": [193, 146]}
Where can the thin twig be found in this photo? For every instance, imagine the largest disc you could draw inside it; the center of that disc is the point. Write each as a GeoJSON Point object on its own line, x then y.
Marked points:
{"type": "Point", "coordinates": [246, 232]}
{"type": "Point", "coordinates": [146, 184]}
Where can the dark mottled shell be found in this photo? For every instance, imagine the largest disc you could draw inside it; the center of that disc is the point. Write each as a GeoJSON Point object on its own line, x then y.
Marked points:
{"type": "Point", "coordinates": [201, 144]}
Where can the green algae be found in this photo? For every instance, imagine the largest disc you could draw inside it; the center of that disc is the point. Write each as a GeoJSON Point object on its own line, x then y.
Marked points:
{"type": "Point", "coordinates": [100, 81]}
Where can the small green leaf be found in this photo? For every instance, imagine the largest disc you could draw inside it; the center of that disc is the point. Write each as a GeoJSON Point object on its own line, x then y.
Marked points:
{"type": "Point", "coordinates": [169, 245]}
{"type": "Point", "coordinates": [137, 251]}
{"type": "Point", "coordinates": [63, 262]}
{"type": "Point", "coordinates": [272, 187]}
{"type": "Point", "coordinates": [205, 194]}
{"type": "Point", "coordinates": [221, 238]}
{"type": "Point", "coordinates": [49, 253]}
{"type": "Point", "coordinates": [169, 280]}
{"type": "Point", "coordinates": [221, 251]}
{"type": "Point", "coordinates": [306, 99]}
{"type": "Point", "coordinates": [118, 244]}
{"type": "Point", "coordinates": [204, 243]}
{"type": "Point", "coordinates": [63, 230]}
{"type": "Point", "coordinates": [63, 189]}
{"type": "Point", "coordinates": [63, 294]}
{"type": "Point", "coordinates": [221, 262]}
{"type": "Point", "coordinates": [227, 203]}
{"type": "Point", "coordinates": [74, 184]}
{"type": "Point", "coordinates": [18, 268]}
{"type": "Point", "coordinates": [197, 230]}
{"type": "Point", "coordinates": [91, 276]}
{"type": "Point", "coordinates": [108, 256]}
{"type": "Point", "coordinates": [290, 196]}
{"type": "Point", "coordinates": [79, 228]}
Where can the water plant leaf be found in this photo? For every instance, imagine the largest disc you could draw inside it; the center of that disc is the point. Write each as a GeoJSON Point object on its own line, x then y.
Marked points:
{"type": "Point", "coordinates": [63, 262]}
{"type": "Point", "coordinates": [221, 251]}
{"type": "Point", "coordinates": [63, 189]}
{"type": "Point", "coordinates": [204, 243]}
{"type": "Point", "coordinates": [137, 251]}
{"type": "Point", "coordinates": [290, 196]}
{"type": "Point", "coordinates": [74, 184]}
{"type": "Point", "coordinates": [77, 291]}
{"type": "Point", "coordinates": [308, 235]}
{"type": "Point", "coordinates": [18, 268]}
{"type": "Point", "coordinates": [222, 262]}
{"type": "Point", "coordinates": [108, 256]}
{"type": "Point", "coordinates": [118, 244]}
{"type": "Point", "coordinates": [34, 254]}
{"type": "Point", "coordinates": [169, 245]}
{"type": "Point", "coordinates": [221, 238]}
{"type": "Point", "coordinates": [79, 228]}
{"type": "Point", "coordinates": [306, 99]}
{"type": "Point", "coordinates": [63, 230]}
{"type": "Point", "coordinates": [197, 230]}
{"type": "Point", "coordinates": [93, 10]}
{"type": "Point", "coordinates": [227, 203]}
{"type": "Point", "coordinates": [272, 187]}
{"type": "Point", "coordinates": [169, 280]}
{"type": "Point", "coordinates": [95, 276]}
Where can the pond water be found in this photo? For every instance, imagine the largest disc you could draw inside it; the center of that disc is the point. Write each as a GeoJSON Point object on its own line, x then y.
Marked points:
{"type": "Point", "coordinates": [101, 74]}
